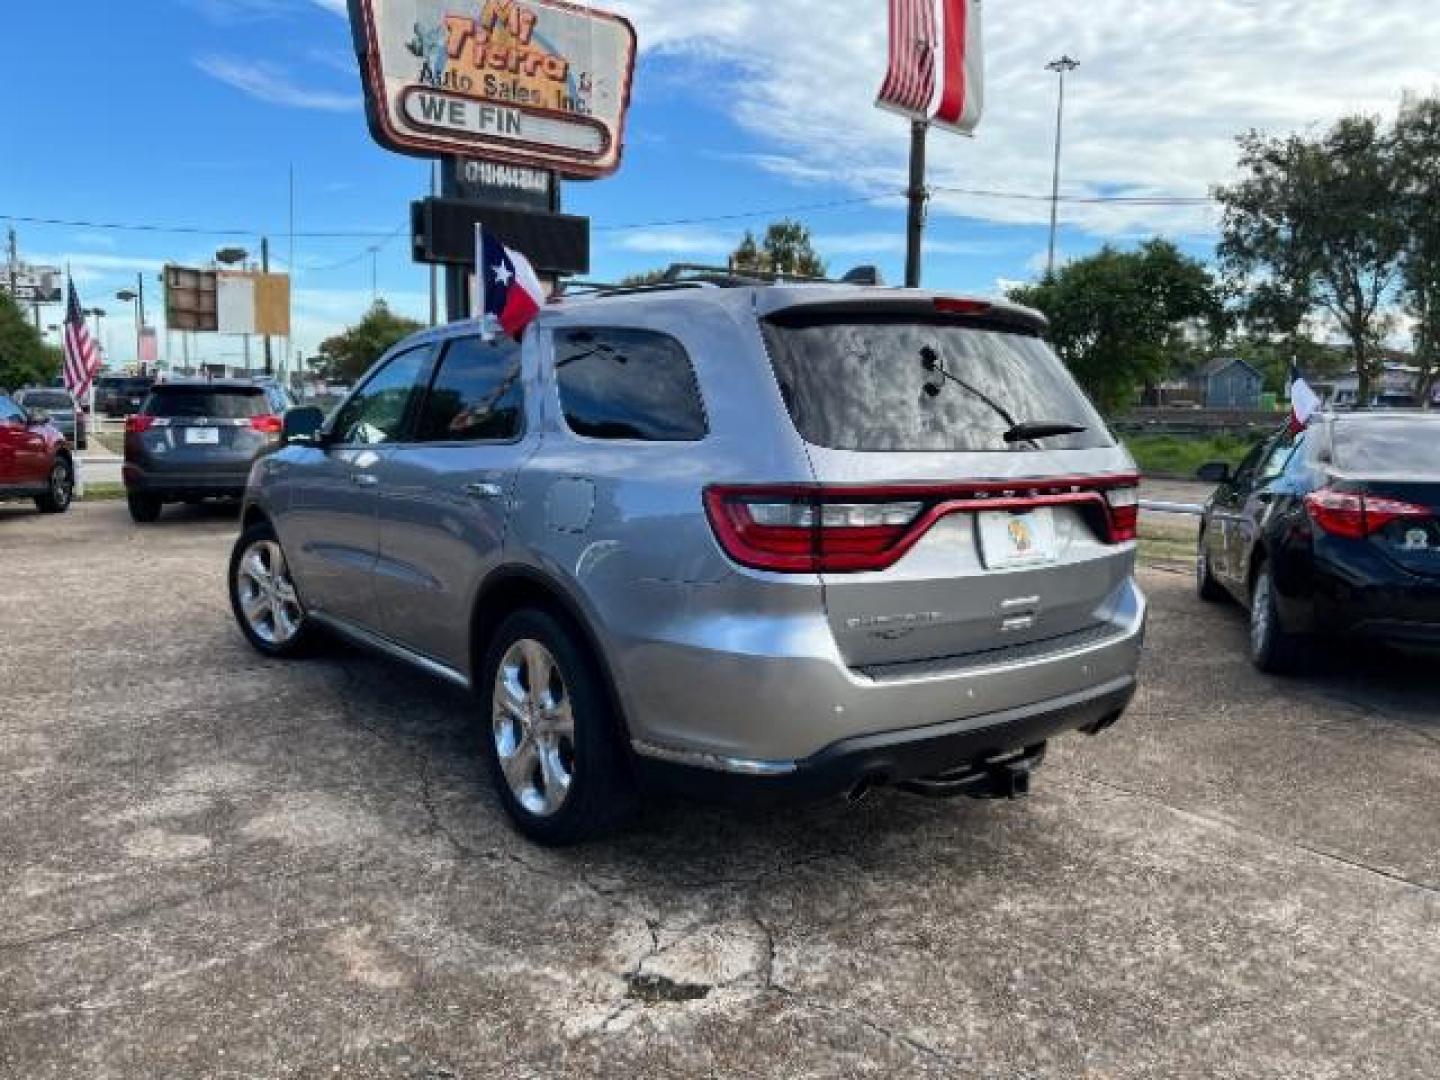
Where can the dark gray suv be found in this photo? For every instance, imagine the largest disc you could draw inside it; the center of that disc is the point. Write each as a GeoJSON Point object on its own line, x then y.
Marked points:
{"type": "Point", "coordinates": [763, 541]}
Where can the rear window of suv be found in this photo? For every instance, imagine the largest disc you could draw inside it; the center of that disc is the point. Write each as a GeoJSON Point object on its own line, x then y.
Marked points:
{"type": "Point", "coordinates": [1386, 447]}
{"type": "Point", "coordinates": [211, 402]}
{"type": "Point", "coordinates": [898, 384]}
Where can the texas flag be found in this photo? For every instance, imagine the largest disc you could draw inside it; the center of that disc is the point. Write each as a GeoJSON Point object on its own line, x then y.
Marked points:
{"type": "Point", "coordinates": [510, 290]}
{"type": "Point", "coordinates": [1304, 402]}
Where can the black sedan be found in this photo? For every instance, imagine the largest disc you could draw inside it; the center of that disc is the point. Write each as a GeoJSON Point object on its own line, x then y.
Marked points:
{"type": "Point", "coordinates": [1334, 532]}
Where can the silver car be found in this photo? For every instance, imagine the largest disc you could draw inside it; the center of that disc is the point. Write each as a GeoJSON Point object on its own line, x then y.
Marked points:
{"type": "Point", "coordinates": [59, 406]}
{"type": "Point", "coordinates": [765, 542]}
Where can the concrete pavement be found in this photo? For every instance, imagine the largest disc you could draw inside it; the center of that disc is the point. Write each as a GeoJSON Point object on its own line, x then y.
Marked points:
{"type": "Point", "coordinates": [219, 866]}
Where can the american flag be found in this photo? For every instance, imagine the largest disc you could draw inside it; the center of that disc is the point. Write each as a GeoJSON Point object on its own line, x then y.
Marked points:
{"type": "Point", "coordinates": [910, 79]}
{"type": "Point", "coordinates": [82, 356]}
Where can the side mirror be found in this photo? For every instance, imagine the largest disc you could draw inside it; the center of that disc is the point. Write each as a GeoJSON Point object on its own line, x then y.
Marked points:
{"type": "Point", "coordinates": [302, 425]}
{"type": "Point", "coordinates": [36, 417]}
{"type": "Point", "coordinates": [1214, 472]}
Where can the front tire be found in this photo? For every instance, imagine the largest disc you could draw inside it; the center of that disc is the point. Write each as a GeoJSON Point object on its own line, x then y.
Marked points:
{"type": "Point", "coordinates": [550, 735]}
{"type": "Point", "coordinates": [144, 509]}
{"type": "Point", "coordinates": [1272, 649]}
{"type": "Point", "coordinates": [60, 489]}
{"type": "Point", "coordinates": [263, 596]}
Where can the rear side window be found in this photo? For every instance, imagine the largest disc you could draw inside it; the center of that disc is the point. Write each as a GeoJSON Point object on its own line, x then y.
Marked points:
{"type": "Point", "coordinates": [628, 384]}
{"type": "Point", "coordinates": [476, 394]}
{"type": "Point", "coordinates": [214, 403]}
{"type": "Point", "coordinates": [896, 384]}
{"type": "Point", "coordinates": [51, 400]}
{"type": "Point", "coordinates": [10, 412]}
{"type": "Point", "coordinates": [1389, 446]}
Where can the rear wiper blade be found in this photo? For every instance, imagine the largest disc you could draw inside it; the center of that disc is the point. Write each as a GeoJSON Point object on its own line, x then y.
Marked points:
{"type": "Point", "coordinates": [1042, 429]}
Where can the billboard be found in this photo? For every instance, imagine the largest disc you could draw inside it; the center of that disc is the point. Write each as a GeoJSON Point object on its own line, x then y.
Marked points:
{"type": "Point", "coordinates": [33, 284]}
{"type": "Point", "coordinates": [537, 83]}
{"type": "Point", "coordinates": [227, 302]}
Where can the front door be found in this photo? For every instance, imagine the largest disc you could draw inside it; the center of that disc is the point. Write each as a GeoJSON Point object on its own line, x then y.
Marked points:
{"type": "Point", "coordinates": [330, 533]}
{"type": "Point", "coordinates": [444, 497]}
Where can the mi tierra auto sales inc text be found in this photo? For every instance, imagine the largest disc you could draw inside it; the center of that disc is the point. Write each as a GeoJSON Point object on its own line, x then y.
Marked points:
{"type": "Point", "coordinates": [494, 60]}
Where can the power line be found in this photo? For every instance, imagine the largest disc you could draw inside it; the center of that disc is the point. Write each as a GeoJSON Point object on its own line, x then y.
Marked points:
{"type": "Point", "coordinates": [191, 230]}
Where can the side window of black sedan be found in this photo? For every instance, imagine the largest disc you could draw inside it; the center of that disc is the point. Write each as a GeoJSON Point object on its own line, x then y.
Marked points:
{"type": "Point", "coordinates": [1244, 477]}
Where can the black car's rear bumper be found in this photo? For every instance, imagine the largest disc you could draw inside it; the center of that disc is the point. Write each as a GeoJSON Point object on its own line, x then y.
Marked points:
{"type": "Point", "coordinates": [896, 757]}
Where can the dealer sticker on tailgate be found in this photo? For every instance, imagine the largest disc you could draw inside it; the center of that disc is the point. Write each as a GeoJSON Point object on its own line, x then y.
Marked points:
{"type": "Point", "coordinates": [1010, 540]}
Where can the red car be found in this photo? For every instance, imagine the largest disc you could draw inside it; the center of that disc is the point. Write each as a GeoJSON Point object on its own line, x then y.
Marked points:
{"type": "Point", "coordinates": [35, 459]}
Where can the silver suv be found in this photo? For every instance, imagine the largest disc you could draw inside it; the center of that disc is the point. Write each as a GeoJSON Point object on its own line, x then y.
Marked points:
{"type": "Point", "coordinates": [759, 541]}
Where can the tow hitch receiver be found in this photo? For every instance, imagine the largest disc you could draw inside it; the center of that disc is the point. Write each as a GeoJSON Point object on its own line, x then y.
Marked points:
{"type": "Point", "coordinates": [1001, 778]}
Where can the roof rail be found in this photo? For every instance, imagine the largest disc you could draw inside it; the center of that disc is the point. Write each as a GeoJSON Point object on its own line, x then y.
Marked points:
{"type": "Point", "coordinates": [732, 277]}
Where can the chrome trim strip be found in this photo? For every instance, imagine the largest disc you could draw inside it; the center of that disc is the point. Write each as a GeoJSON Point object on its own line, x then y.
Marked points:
{"type": "Point", "coordinates": [714, 762]}
{"type": "Point", "coordinates": [370, 640]}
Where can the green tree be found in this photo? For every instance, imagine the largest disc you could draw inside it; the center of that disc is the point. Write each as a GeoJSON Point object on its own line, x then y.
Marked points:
{"type": "Point", "coordinates": [647, 277]}
{"type": "Point", "coordinates": [25, 359]}
{"type": "Point", "coordinates": [1117, 317]}
{"type": "Point", "coordinates": [1417, 148]}
{"type": "Point", "coordinates": [786, 249]}
{"type": "Point", "coordinates": [1312, 226]}
{"type": "Point", "coordinates": [348, 355]}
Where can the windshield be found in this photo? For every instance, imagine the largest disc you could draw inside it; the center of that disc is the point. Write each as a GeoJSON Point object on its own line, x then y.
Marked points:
{"type": "Point", "coordinates": [227, 403]}
{"type": "Point", "coordinates": [901, 385]}
{"type": "Point", "coordinates": [53, 400]}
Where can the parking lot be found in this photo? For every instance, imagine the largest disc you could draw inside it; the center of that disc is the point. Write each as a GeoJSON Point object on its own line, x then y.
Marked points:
{"type": "Point", "coordinates": [218, 866]}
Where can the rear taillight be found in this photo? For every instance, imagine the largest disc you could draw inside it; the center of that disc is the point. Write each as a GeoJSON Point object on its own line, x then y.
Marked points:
{"type": "Point", "coordinates": [1355, 516]}
{"type": "Point", "coordinates": [136, 425]}
{"type": "Point", "coordinates": [267, 424]}
{"type": "Point", "coordinates": [803, 530]}
{"type": "Point", "coordinates": [839, 530]}
{"type": "Point", "coordinates": [1124, 503]}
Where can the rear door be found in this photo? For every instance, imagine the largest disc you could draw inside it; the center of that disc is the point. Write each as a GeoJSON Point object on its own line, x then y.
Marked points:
{"type": "Point", "coordinates": [914, 423]}
{"type": "Point", "coordinates": [443, 497]}
{"type": "Point", "coordinates": [12, 430]}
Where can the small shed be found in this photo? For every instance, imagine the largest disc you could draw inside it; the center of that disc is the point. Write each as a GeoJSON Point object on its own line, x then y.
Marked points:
{"type": "Point", "coordinates": [1231, 383]}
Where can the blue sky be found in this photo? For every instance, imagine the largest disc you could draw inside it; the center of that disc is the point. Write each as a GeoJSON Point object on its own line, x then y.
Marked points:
{"type": "Point", "coordinates": [192, 112]}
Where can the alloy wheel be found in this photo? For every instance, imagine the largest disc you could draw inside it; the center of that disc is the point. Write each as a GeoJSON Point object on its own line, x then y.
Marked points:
{"type": "Point", "coordinates": [268, 600]}
{"type": "Point", "coordinates": [533, 725]}
{"type": "Point", "coordinates": [62, 486]}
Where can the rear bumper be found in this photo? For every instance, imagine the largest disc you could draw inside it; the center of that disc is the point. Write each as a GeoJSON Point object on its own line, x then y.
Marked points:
{"type": "Point", "coordinates": [186, 483]}
{"type": "Point", "coordinates": [894, 757]}
{"type": "Point", "coordinates": [792, 714]}
{"type": "Point", "coordinates": [1371, 601]}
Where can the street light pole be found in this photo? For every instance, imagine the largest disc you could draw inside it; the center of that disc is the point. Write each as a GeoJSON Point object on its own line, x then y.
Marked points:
{"type": "Point", "coordinates": [1061, 67]}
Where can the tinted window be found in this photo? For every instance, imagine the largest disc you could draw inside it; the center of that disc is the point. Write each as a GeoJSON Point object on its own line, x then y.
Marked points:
{"type": "Point", "coordinates": [900, 385]}
{"type": "Point", "coordinates": [476, 394]}
{"type": "Point", "coordinates": [1390, 446]}
{"type": "Point", "coordinates": [51, 400]}
{"type": "Point", "coordinates": [628, 384]}
{"type": "Point", "coordinates": [215, 403]}
{"type": "Point", "coordinates": [1245, 472]}
{"type": "Point", "coordinates": [377, 412]}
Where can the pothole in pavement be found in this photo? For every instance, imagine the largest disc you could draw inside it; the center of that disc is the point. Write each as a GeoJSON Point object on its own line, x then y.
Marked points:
{"type": "Point", "coordinates": [660, 990]}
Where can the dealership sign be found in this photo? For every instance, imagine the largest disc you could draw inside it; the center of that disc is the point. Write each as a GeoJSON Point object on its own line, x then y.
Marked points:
{"type": "Point", "coordinates": [535, 83]}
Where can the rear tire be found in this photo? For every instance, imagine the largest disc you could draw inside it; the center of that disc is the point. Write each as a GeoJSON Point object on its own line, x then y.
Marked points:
{"type": "Point", "coordinates": [1272, 649]}
{"type": "Point", "coordinates": [144, 509]}
{"type": "Point", "coordinates": [263, 596]}
{"type": "Point", "coordinates": [1206, 587]}
{"type": "Point", "coordinates": [60, 489]}
{"type": "Point", "coordinates": [550, 735]}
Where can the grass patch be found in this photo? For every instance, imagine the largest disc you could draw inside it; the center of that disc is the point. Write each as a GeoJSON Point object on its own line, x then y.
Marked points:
{"type": "Point", "coordinates": [1177, 456]}
{"type": "Point", "coordinates": [114, 441]}
{"type": "Point", "coordinates": [107, 492]}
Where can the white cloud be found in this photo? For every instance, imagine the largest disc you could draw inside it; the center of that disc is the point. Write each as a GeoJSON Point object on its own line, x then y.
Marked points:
{"type": "Point", "coordinates": [335, 7]}
{"type": "Point", "coordinates": [678, 242]}
{"type": "Point", "coordinates": [272, 84]}
{"type": "Point", "coordinates": [1164, 88]}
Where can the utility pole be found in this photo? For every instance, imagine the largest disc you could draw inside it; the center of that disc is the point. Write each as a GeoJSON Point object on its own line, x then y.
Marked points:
{"type": "Point", "coordinates": [264, 269]}
{"type": "Point", "coordinates": [919, 195]}
{"type": "Point", "coordinates": [1061, 67]}
{"type": "Point", "coordinates": [13, 259]}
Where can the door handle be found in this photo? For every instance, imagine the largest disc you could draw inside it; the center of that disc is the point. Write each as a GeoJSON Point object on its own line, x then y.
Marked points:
{"type": "Point", "coordinates": [485, 491]}
{"type": "Point", "coordinates": [364, 479]}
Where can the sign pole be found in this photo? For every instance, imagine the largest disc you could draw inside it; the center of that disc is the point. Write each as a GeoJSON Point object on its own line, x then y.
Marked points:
{"type": "Point", "coordinates": [918, 195]}
{"type": "Point", "coordinates": [264, 269]}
